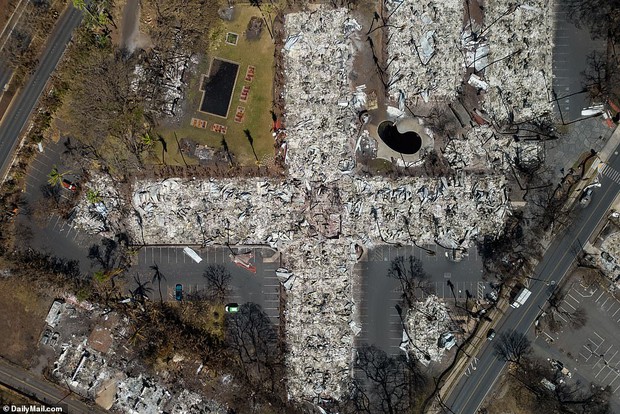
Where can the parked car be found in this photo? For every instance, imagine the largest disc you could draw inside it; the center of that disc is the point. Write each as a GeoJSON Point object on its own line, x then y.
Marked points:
{"type": "Point", "coordinates": [491, 334]}
{"type": "Point", "coordinates": [232, 308]}
{"type": "Point", "coordinates": [68, 185]}
{"type": "Point", "coordinates": [46, 337]}
{"type": "Point", "coordinates": [178, 291]}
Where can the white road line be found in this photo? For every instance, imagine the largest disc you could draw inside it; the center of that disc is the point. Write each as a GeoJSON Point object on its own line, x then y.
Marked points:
{"type": "Point", "coordinates": [571, 296]}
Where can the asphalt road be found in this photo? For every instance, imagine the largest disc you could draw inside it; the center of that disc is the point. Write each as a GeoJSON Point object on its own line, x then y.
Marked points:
{"type": "Point", "coordinates": [42, 390]}
{"type": "Point", "coordinates": [471, 390]}
{"type": "Point", "coordinates": [17, 116]}
{"type": "Point", "coordinates": [5, 75]}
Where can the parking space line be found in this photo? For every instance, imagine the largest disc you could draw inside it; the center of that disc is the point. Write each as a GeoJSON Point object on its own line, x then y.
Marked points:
{"type": "Point", "coordinates": [603, 304]}
{"type": "Point", "coordinates": [602, 339]}
{"type": "Point", "coordinates": [566, 302]}
{"type": "Point", "coordinates": [572, 297]}
{"type": "Point", "coordinates": [599, 297]}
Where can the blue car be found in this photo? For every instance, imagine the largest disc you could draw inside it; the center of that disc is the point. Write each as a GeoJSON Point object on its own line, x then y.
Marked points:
{"type": "Point", "coordinates": [178, 291]}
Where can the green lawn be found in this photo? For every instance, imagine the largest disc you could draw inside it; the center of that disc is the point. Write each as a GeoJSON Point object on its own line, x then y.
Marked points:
{"type": "Point", "coordinates": [258, 53]}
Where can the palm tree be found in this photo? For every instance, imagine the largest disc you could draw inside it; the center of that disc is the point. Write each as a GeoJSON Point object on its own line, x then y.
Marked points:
{"type": "Point", "coordinates": [93, 196]}
{"type": "Point", "coordinates": [225, 146]}
{"type": "Point", "coordinates": [55, 177]}
{"type": "Point", "coordinates": [142, 291]}
{"type": "Point", "coordinates": [158, 276]}
{"type": "Point", "coordinates": [248, 135]}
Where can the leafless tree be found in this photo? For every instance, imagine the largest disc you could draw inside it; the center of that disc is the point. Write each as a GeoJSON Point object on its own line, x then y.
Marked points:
{"type": "Point", "coordinates": [410, 273]}
{"type": "Point", "coordinates": [601, 78]}
{"type": "Point", "coordinates": [512, 346]}
{"type": "Point", "coordinates": [218, 282]}
{"type": "Point", "coordinates": [253, 339]}
{"type": "Point", "coordinates": [384, 384]}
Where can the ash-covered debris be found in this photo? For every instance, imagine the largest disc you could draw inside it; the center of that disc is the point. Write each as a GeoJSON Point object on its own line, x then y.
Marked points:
{"type": "Point", "coordinates": [323, 209]}
{"type": "Point", "coordinates": [520, 70]}
{"type": "Point", "coordinates": [99, 213]}
{"type": "Point", "coordinates": [426, 322]}
{"type": "Point", "coordinates": [424, 48]}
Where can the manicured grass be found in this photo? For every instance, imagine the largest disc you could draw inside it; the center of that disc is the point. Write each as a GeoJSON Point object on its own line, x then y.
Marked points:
{"type": "Point", "coordinates": [257, 53]}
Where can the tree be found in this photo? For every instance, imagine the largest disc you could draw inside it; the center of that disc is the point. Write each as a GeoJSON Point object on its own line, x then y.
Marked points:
{"type": "Point", "coordinates": [601, 17]}
{"type": "Point", "coordinates": [248, 135]}
{"type": "Point", "coordinates": [512, 346]}
{"type": "Point", "coordinates": [384, 384]}
{"type": "Point", "coordinates": [601, 78]}
{"type": "Point", "coordinates": [218, 281]}
{"type": "Point", "coordinates": [226, 150]}
{"type": "Point", "coordinates": [54, 178]}
{"type": "Point", "coordinates": [411, 275]}
{"type": "Point", "coordinates": [142, 291]}
{"type": "Point", "coordinates": [158, 276]}
{"type": "Point", "coordinates": [93, 196]}
{"type": "Point", "coordinates": [253, 339]}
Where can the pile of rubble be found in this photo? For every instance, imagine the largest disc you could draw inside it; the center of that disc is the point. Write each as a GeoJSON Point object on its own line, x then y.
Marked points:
{"type": "Point", "coordinates": [424, 49]}
{"type": "Point", "coordinates": [99, 373]}
{"type": "Point", "coordinates": [426, 322]}
{"type": "Point", "coordinates": [520, 72]}
{"type": "Point", "coordinates": [481, 149]}
{"type": "Point", "coordinates": [319, 319]}
{"type": "Point", "coordinates": [319, 118]}
{"type": "Point", "coordinates": [317, 215]}
{"type": "Point", "coordinates": [100, 216]}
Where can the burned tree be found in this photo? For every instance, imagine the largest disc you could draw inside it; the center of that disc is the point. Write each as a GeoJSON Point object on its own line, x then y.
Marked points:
{"type": "Point", "coordinates": [384, 384]}
{"type": "Point", "coordinates": [218, 282]}
{"type": "Point", "coordinates": [253, 339]}
{"type": "Point", "coordinates": [411, 275]}
{"type": "Point", "coordinates": [601, 78]}
{"type": "Point", "coordinates": [512, 346]}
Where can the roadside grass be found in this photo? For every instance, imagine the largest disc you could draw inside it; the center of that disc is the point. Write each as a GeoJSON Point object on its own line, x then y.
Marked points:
{"type": "Point", "coordinates": [258, 53]}
{"type": "Point", "coordinates": [10, 397]}
{"type": "Point", "coordinates": [509, 397]}
{"type": "Point", "coordinates": [25, 313]}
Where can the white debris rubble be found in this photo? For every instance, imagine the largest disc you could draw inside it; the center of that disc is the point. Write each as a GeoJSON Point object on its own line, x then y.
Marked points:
{"type": "Point", "coordinates": [317, 215]}
{"type": "Point", "coordinates": [97, 217]}
{"type": "Point", "coordinates": [424, 50]}
{"type": "Point", "coordinates": [521, 42]}
{"type": "Point", "coordinates": [426, 322]}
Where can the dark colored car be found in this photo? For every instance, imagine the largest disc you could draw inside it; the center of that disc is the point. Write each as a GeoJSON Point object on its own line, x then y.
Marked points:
{"type": "Point", "coordinates": [491, 334]}
{"type": "Point", "coordinates": [178, 291]}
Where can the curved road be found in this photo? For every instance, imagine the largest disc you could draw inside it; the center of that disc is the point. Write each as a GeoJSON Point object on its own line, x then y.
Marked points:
{"type": "Point", "coordinates": [19, 112]}
{"type": "Point", "coordinates": [471, 391]}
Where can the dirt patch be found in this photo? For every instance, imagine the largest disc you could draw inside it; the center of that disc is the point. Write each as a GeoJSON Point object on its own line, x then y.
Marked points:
{"type": "Point", "coordinates": [509, 398]}
{"type": "Point", "coordinates": [25, 312]}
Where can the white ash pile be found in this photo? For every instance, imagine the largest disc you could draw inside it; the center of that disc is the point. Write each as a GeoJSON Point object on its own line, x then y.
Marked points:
{"type": "Point", "coordinates": [449, 211]}
{"type": "Point", "coordinates": [424, 48]}
{"type": "Point", "coordinates": [319, 313]}
{"type": "Point", "coordinates": [211, 212]}
{"type": "Point", "coordinates": [426, 322]}
{"type": "Point", "coordinates": [100, 209]}
{"type": "Point", "coordinates": [190, 402]}
{"type": "Point", "coordinates": [317, 92]}
{"type": "Point", "coordinates": [481, 149]}
{"type": "Point", "coordinates": [521, 42]}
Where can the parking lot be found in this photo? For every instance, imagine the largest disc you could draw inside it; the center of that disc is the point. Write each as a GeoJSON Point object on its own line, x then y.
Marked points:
{"type": "Point", "coordinates": [593, 352]}
{"type": "Point", "coordinates": [261, 287]}
{"type": "Point", "coordinates": [379, 294]}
